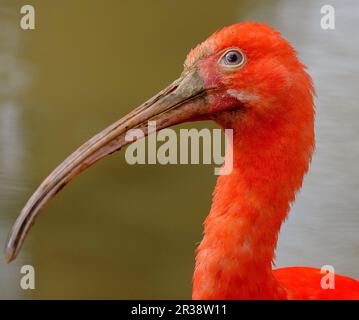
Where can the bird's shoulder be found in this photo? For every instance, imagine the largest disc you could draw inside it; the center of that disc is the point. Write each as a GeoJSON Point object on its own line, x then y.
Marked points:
{"type": "Point", "coordinates": [313, 283]}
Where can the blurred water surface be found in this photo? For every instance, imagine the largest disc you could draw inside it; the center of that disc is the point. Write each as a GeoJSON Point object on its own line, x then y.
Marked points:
{"type": "Point", "coordinates": [123, 231]}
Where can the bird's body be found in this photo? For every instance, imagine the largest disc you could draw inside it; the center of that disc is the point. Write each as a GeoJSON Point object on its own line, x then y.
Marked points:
{"type": "Point", "coordinates": [305, 283]}
{"type": "Point", "coordinates": [247, 78]}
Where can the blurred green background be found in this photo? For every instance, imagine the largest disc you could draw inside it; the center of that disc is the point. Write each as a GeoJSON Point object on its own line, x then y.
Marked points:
{"type": "Point", "coordinates": [122, 231]}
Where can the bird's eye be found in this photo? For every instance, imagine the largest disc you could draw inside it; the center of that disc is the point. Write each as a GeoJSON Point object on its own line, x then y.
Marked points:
{"type": "Point", "coordinates": [232, 58]}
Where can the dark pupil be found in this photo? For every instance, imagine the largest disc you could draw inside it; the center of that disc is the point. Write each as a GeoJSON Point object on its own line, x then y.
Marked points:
{"type": "Point", "coordinates": [232, 57]}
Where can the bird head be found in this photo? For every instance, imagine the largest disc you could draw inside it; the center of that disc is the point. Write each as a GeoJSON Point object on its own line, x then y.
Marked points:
{"type": "Point", "coordinates": [249, 73]}
{"type": "Point", "coordinates": [244, 76]}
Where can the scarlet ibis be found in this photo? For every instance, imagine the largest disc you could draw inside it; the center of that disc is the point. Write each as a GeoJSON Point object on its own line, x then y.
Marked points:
{"type": "Point", "coordinates": [245, 77]}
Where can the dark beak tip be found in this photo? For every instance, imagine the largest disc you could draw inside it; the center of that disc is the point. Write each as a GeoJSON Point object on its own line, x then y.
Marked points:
{"type": "Point", "coordinates": [9, 251]}
{"type": "Point", "coordinates": [8, 255]}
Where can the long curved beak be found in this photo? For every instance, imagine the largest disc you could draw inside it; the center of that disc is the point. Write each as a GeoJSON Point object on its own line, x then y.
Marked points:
{"type": "Point", "coordinates": [181, 101]}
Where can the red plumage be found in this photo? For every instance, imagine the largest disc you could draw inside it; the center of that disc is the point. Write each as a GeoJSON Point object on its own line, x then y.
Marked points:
{"type": "Point", "coordinates": [273, 141]}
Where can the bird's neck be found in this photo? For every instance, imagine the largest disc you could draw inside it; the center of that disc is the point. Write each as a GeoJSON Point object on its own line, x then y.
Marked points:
{"type": "Point", "coordinates": [234, 259]}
